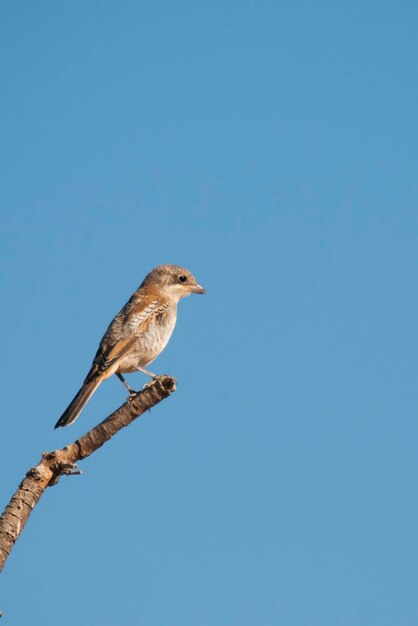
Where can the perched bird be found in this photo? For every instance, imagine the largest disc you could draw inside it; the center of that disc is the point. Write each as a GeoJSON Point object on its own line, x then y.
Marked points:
{"type": "Point", "coordinates": [138, 333]}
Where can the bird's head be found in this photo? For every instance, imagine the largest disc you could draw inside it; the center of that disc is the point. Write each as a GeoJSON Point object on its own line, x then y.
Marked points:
{"type": "Point", "coordinates": [175, 281]}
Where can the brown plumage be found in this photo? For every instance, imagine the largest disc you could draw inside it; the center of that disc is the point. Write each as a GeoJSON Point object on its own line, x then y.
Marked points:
{"type": "Point", "coordinates": [138, 333]}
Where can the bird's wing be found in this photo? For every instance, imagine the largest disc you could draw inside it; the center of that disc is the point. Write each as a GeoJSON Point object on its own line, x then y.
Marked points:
{"type": "Point", "coordinates": [125, 331]}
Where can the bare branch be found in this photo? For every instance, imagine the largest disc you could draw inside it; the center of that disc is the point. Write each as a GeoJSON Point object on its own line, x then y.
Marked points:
{"type": "Point", "coordinates": [60, 462]}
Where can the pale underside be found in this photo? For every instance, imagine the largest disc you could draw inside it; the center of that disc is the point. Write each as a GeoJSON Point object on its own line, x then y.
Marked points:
{"type": "Point", "coordinates": [128, 347]}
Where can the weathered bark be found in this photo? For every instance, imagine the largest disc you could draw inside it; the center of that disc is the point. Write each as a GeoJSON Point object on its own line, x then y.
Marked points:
{"type": "Point", "coordinates": [58, 462]}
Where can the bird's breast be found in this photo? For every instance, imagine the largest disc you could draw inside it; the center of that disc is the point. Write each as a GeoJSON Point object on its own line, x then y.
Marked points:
{"type": "Point", "coordinates": [152, 339]}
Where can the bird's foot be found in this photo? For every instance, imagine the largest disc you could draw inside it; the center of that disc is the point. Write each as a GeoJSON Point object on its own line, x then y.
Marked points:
{"type": "Point", "coordinates": [151, 382]}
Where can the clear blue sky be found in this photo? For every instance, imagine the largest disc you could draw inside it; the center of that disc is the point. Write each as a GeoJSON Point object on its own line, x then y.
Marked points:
{"type": "Point", "coordinates": [271, 148]}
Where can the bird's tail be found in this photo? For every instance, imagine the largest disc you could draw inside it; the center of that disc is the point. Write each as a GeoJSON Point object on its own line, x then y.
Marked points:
{"type": "Point", "coordinates": [74, 409]}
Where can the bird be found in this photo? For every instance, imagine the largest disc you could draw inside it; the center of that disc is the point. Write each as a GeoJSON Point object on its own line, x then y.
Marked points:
{"type": "Point", "coordinates": [138, 333]}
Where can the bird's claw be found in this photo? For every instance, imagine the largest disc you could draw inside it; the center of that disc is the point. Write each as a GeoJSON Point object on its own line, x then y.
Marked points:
{"type": "Point", "coordinates": [150, 383]}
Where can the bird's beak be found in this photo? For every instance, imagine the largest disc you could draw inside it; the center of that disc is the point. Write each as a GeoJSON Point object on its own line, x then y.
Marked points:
{"type": "Point", "coordinates": [197, 289]}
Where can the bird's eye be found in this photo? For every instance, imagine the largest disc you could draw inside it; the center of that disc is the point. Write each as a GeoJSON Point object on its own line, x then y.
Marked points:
{"type": "Point", "coordinates": [182, 279]}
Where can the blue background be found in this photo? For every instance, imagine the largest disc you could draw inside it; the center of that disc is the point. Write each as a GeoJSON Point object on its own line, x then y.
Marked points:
{"type": "Point", "coordinates": [271, 148]}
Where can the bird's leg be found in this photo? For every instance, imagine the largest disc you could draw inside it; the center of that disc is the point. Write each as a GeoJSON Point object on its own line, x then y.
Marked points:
{"type": "Point", "coordinates": [147, 373]}
{"type": "Point", "coordinates": [123, 381]}
{"type": "Point", "coordinates": [144, 371]}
